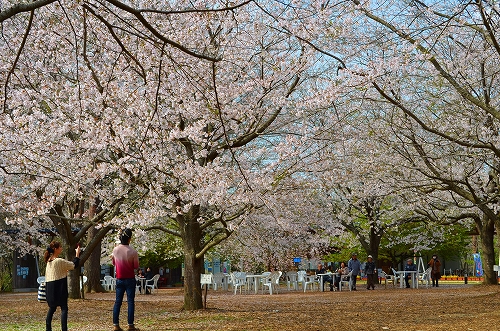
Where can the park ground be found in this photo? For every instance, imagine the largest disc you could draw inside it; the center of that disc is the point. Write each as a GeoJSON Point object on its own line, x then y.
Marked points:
{"type": "Point", "coordinates": [449, 307]}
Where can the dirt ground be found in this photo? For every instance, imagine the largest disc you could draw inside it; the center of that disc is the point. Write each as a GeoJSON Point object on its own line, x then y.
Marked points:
{"type": "Point", "coordinates": [449, 307]}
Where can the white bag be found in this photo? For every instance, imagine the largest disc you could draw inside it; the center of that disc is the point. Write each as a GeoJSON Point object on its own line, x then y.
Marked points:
{"type": "Point", "coordinates": [41, 293]}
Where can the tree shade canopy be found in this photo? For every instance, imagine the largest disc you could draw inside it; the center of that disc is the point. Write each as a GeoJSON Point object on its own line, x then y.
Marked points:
{"type": "Point", "coordinates": [195, 118]}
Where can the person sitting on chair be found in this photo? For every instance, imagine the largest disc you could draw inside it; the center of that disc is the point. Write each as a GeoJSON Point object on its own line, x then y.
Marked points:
{"type": "Point", "coordinates": [409, 267]}
{"type": "Point", "coordinates": [149, 275]}
{"type": "Point", "coordinates": [326, 278]}
{"type": "Point", "coordinates": [341, 271]}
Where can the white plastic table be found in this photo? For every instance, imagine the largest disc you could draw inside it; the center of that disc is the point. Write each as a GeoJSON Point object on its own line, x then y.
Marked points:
{"type": "Point", "coordinates": [256, 281]}
{"type": "Point", "coordinates": [414, 278]}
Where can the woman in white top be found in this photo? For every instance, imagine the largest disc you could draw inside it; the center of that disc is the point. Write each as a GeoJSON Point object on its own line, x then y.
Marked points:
{"type": "Point", "coordinates": [56, 282]}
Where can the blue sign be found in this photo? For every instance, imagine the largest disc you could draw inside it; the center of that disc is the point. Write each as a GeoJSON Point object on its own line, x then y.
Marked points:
{"type": "Point", "coordinates": [22, 271]}
{"type": "Point", "coordinates": [478, 266]}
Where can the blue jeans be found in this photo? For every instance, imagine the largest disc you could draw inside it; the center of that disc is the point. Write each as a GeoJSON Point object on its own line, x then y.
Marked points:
{"type": "Point", "coordinates": [122, 286]}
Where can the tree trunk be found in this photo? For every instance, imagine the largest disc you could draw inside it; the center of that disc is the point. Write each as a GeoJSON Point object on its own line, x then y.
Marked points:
{"type": "Point", "coordinates": [192, 287]}
{"type": "Point", "coordinates": [191, 237]}
{"type": "Point", "coordinates": [93, 266]}
{"type": "Point", "coordinates": [487, 243]}
{"type": "Point", "coordinates": [73, 276]}
{"type": "Point", "coordinates": [375, 238]}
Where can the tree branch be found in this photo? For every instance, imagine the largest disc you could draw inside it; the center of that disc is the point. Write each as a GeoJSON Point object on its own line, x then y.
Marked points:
{"type": "Point", "coordinates": [14, 65]}
{"type": "Point", "coordinates": [23, 7]}
{"type": "Point", "coordinates": [137, 13]}
{"type": "Point", "coordinates": [163, 229]}
{"type": "Point", "coordinates": [445, 74]}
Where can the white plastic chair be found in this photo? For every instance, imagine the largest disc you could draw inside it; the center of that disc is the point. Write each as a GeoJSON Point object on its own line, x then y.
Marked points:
{"type": "Point", "coordinates": [138, 284]}
{"type": "Point", "coordinates": [264, 275]}
{"type": "Point", "coordinates": [218, 279]}
{"type": "Point", "coordinates": [311, 280]}
{"type": "Point", "coordinates": [346, 279]}
{"type": "Point", "coordinates": [152, 283]}
{"type": "Point", "coordinates": [397, 278]}
{"type": "Point", "coordinates": [272, 282]}
{"type": "Point", "coordinates": [292, 280]}
{"type": "Point", "coordinates": [108, 283]}
{"type": "Point", "coordinates": [238, 279]}
{"type": "Point", "coordinates": [301, 278]}
{"type": "Point", "coordinates": [387, 278]}
{"type": "Point", "coordinates": [84, 281]}
{"type": "Point", "coordinates": [425, 277]}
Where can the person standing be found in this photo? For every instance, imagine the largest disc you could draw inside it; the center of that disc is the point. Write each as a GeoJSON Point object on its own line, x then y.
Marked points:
{"type": "Point", "coordinates": [435, 264]}
{"type": "Point", "coordinates": [126, 261]}
{"type": "Point", "coordinates": [371, 273]}
{"type": "Point", "coordinates": [56, 282]}
{"type": "Point", "coordinates": [355, 266]}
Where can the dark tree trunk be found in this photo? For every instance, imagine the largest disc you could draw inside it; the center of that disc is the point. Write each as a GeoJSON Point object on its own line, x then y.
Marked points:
{"type": "Point", "coordinates": [374, 245]}
{"type": "Point", "coordinates": [73, 275]}
{"type": "Point", "coordinates": [193, 266]}
{"type": "Point", "coordinates": [93, 266]}
{"type": "Point", "coordinates": [192, 288]}
{"type": "Point", "coordinates": [487, 243]}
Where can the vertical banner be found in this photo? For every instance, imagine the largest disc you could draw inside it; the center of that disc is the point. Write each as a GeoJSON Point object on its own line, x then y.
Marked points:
{"type": "Point", "coordinates": [478, 266]}
{"type": "Point", "coordinates": [216, 266]}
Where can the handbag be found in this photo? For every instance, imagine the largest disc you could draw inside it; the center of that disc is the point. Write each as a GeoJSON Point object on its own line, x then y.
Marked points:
{"type": "Point", "coordinates": [41, 293]}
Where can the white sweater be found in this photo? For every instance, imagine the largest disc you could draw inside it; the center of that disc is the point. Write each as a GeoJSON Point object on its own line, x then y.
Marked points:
{"type": "Point", "coordinates": [58, 269]}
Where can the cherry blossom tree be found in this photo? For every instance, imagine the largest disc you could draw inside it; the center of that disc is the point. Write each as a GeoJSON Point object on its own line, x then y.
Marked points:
{"type": "Point", "coordinates": [433, 68]}
{"type": "Point", "coordinates": [158, 110]}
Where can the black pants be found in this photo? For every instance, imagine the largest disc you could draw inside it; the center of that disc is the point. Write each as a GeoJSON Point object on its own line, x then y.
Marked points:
{"type": "Point", "coordinates": [370, 281]}
{"type": "Point", "coordinates": [435, 278]}
{"type": "Point", "coordinates": [327, 279]}
{"type": "Point", "coordinates": [64, 318]}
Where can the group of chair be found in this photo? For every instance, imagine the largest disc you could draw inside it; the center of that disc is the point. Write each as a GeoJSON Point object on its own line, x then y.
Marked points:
{"type": "Point", "coordinates": [296, 278]}
{"type": "Point", "coordinates": [40, 280]}
{"type": "Point", "coordinates": [424, 278]}
{"type": "Point", "coordinates": [149, 284]}
{"type": "Point", "coordinates": [109, 283]}
{"type": "Point", "coordinates": [267, 281]}
{"type": "Point", "coordinates": [270, 281]}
